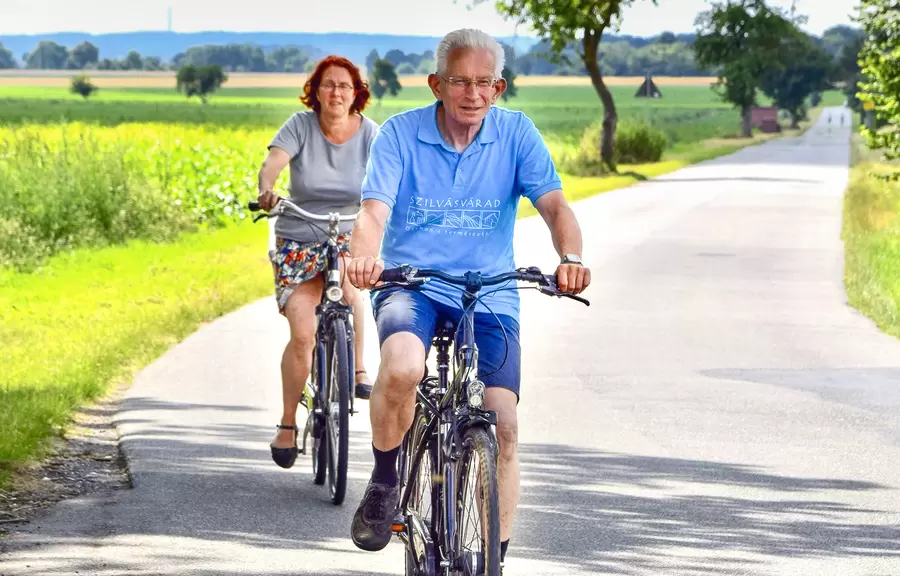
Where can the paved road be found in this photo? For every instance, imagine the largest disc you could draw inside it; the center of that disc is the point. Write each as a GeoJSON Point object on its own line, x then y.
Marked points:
{"type": "Point", "coordinates": [718, 410]}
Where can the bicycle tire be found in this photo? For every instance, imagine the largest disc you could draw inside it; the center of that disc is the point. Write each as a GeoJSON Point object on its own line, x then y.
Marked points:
{"type": "Point", "coordinates": [478, 441]}
{"type": "Point", "coordinates": [319, 452]}
{"type": "Point", "coordinates": [338, 390]}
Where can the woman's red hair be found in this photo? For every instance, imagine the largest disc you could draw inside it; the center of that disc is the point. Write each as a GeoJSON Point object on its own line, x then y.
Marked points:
{"type": "Point", "coordinates": [311, 88]}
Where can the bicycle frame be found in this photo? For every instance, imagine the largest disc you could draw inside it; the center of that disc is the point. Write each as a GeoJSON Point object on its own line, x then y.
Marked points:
{"type": "Point", "coordinates": [452, 407]}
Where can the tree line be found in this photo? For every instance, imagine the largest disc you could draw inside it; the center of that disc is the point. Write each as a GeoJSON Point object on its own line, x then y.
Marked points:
{"type": "Point", "coordinates": [666, 54]}
{"type": "Point", "coordinates": [48, 55]}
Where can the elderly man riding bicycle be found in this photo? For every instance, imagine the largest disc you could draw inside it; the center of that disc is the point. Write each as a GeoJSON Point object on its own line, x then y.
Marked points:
{"type": "Point", "coordinates": [441, 190]}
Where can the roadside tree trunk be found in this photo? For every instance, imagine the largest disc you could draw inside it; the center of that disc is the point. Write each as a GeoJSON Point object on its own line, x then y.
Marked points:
{"type": "Point", "coordinates": [746, 125]}
{"type": "Point", "coordinates": [610, 118]}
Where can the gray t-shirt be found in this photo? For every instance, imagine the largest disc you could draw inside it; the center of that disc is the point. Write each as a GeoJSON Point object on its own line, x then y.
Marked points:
{"type": "Point", "coordinates": [324, 177]}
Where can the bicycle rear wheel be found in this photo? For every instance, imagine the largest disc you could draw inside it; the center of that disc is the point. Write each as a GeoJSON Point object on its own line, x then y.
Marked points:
{"type": "Point", "coordinates": [337, 409]}
{"type": "Point", "coordinates": [476, 506]}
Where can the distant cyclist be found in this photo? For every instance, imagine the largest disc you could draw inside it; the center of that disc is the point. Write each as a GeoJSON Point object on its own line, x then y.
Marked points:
{"type": "Point", "coordinates": [441, 190]}
{"type": "Point", "coordinates": [327, 148]}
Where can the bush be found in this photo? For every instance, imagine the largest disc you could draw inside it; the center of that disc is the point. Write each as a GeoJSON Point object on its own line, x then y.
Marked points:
{"type": "Point", "coordinates": [75, 192]}
{"type": "Point", "coordinates": [82, 86]}
{"type": "Point", "coordinates": [635, 143]}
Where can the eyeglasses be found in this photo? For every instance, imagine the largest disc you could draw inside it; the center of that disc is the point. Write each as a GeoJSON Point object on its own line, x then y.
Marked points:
{"type": "Point", "coordinates": [459, 83]}
{"type": "Point", "coordinates": [330, 86]}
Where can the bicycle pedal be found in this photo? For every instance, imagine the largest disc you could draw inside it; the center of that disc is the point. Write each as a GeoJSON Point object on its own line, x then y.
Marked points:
{"type": "Point", "coordinates": [398, 524]}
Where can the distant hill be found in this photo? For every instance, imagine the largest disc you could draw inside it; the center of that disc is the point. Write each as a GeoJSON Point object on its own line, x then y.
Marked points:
{"type": "Point", "coordinates": [666, 54]}
{"type": "Point", "coordinates": [165, 45]}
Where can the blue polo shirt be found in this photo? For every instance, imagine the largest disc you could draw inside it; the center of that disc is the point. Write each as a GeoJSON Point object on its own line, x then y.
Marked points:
{"type": "Point", "coordinates": [456, 211]}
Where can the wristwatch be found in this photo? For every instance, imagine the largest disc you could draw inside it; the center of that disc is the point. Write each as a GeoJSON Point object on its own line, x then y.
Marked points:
{"type": "Point", "coordinates": [571, 259]}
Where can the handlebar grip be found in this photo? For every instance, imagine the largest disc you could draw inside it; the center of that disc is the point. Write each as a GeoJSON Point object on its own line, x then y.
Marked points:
{"type": "Point", "coordinates": [253, 206]}
{"type": "Point", "coordinates": [535, 277]}
{"type": "Point", "coordinates": [393, 275]}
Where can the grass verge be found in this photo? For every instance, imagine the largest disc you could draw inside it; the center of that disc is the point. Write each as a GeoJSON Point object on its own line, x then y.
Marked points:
{"type": "Point", "coordinates": [871, 234]}
{"type": "Point", "coordinates": [91, 318]}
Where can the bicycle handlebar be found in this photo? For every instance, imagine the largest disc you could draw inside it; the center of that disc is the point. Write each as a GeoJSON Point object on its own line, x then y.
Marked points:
{"type": "Point", "coordinates": [255, 207]}
{"type": "Point", "coordinates": [410, 276]}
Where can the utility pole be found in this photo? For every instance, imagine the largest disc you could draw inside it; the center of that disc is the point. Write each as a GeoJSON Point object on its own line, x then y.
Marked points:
{"type": "Point", "coordinates": [170, 18]}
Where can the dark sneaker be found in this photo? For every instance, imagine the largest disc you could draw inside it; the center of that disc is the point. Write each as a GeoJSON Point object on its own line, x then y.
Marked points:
{"type": "Point", "coordinates": [363, 390]}
{"type": "Point", "coordinates": [371, 527]}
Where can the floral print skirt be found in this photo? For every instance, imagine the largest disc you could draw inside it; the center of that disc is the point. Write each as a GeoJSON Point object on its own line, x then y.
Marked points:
{"type": "Point", "coordinates": [297, 262]}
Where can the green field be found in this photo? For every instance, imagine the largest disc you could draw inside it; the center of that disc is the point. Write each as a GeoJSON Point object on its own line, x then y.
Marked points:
{"type": "Point", "coordinates": [685, 113]}
{"type": "Point", "coordinates": [121, 220]}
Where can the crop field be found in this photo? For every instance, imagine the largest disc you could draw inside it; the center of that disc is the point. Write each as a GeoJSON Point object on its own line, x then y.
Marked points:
{"type": "Point", "coordinates": [198, 161]}
{"type": "Point", "coordinates": [163, 79]}
{"type": "Point", "coordinates": [685, 113]}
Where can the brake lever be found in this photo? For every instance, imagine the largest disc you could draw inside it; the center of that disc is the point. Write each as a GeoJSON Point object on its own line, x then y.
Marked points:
{"type": "Point", "coordinates": [560, 294]}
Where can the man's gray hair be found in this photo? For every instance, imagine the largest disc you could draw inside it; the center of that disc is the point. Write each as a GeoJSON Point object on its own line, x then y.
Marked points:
{"type": "Point", "coordinates": [468, 38]}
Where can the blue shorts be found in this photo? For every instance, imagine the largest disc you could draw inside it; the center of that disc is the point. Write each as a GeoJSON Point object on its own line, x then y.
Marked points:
{"type": "Point", "coordinates": [499, 359]}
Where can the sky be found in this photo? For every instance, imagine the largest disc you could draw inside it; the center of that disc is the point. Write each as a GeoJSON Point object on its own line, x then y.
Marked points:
{"type": "Point", "coordinates": [372, 16]}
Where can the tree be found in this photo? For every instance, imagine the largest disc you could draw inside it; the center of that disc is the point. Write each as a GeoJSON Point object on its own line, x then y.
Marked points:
{"type": "Point", "coordinates": [848, 72]}
{"type": "Point", "coordinates": [807, 72]}
{"type": "Point", "coordinates": [384, 79]}
{"type": "Point", "coordinates": [6, 58]}
{"type": "Point", "coordinates": [509, 56]}
{"type": "Point", "coordinates": [286, 59]}
{"type": "Point", "coordinates": [47, 55]}
{"type": "Point", "coordinates": [82, 85]}
{"type": "Point", "coordinates": [559, 22]}
{"type": "Point", "coordinates": [82, 55]}
{"type": "Point", "coordinates": [742, 39]}
{"type": "Point", "coordinates": [133, 61]}
{"type": "Point", "coordinates": [880, 59]}
{"type": "Point", "coordinates": [153, 63]}
{"type": "Point", "coordinates": [370, 61]}
{"type": "Point", "coordinates": [666, 38]}
{"type": "Point", "coordinates": [200, 80]}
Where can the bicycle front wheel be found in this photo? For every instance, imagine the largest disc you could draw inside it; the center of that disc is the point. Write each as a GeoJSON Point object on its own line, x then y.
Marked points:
{"type": "Point", "coordinates": [476, 541]}
{"type": "Point", "coordinates": [337, 432]}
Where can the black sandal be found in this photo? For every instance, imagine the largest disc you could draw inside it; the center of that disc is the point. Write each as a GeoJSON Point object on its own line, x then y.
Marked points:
{"type": "Point", "coordinates": [362, 390]}
{"type": "Point", "coordinates": [285, 457]}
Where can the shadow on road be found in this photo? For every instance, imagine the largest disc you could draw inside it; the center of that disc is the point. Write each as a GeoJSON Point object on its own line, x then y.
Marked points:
{"type": "Point", "coordinates": [201, 494]}
{"type": "Point", "coordinates": [633, 510]}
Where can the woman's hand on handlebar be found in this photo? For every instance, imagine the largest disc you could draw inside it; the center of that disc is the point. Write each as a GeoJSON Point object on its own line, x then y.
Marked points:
{"type": "Point", "coordinates": [364, 272]}
{"type": "Point", "coordinates": [267, 199]}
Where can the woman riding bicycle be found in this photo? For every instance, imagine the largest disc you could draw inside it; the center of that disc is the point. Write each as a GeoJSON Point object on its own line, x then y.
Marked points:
{"type": "Point", "coordinates": [327, 148]}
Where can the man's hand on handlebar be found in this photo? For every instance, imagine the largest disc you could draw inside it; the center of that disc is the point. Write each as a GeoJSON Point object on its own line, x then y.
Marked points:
{"type": "Point", "coordinates": [267, 199]}
{"type": "Point", "coordinates": [573, 278]}
{"type": "Point", "coordinates": [364, 272]}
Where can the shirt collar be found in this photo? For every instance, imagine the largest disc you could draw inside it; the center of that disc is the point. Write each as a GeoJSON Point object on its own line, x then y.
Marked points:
{"type": "Point", "coordinates": [429, 133]}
